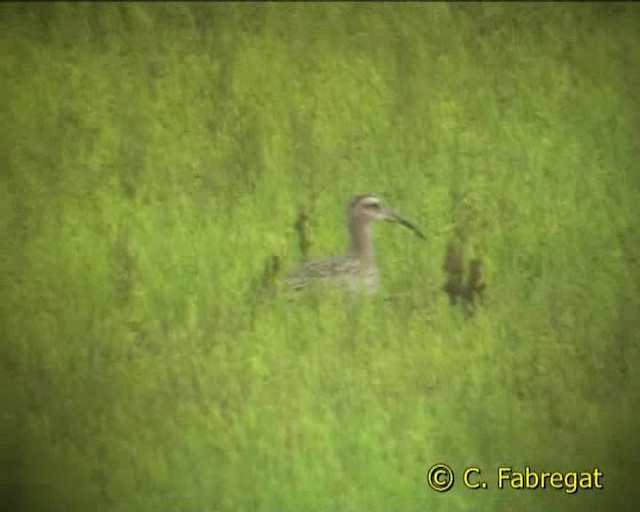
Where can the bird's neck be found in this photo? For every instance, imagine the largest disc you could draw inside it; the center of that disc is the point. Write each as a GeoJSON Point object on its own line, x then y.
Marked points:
{"type": "Point", "coordinates": [361, 245]}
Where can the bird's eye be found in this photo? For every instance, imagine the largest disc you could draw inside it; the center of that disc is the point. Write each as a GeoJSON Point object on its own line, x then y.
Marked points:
{"type": "Point", "coordinates": [373, 206]}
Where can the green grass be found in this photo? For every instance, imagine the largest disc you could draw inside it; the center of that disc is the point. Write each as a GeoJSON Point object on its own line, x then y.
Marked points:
{"type": "Point", "coordinates": [153, 158]}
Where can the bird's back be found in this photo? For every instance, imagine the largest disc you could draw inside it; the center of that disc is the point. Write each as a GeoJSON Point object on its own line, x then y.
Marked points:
{"type": "Point", "coordinates": [337, 271]}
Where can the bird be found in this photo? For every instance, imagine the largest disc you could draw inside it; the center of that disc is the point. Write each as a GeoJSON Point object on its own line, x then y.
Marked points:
{"type": "Point", "coordinates": [356, 270]}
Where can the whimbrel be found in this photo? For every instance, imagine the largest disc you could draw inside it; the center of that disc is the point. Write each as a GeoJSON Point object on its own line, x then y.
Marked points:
{"type": "Point", "coordinates": [357, 269]}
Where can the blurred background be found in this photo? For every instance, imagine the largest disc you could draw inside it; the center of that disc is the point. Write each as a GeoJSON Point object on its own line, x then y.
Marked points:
{"type": "Point", "coordinates": [154, 158]}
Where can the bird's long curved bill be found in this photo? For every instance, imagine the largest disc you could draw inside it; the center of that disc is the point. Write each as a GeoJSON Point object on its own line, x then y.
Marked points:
{"type": "Point", "coordinates": [401, 219]}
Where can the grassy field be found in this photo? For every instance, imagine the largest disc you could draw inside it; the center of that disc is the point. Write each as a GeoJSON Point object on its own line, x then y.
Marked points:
{"type": "Point", "coordinates": [154, 156]}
